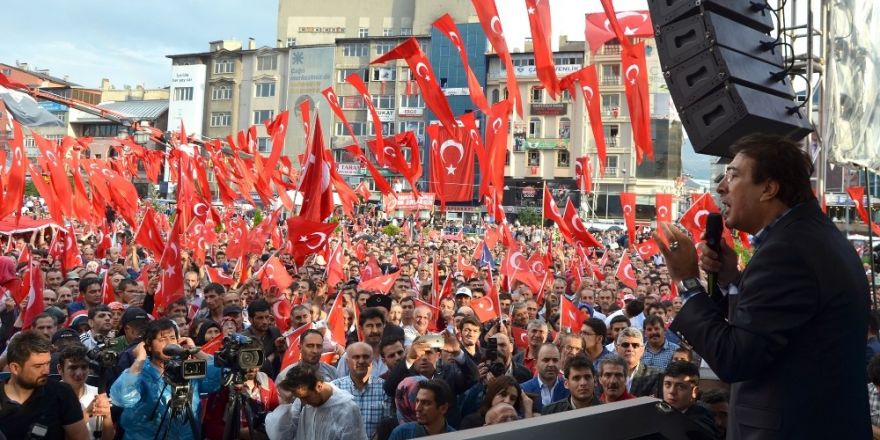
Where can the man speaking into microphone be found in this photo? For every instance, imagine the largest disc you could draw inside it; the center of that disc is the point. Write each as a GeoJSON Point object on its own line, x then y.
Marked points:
{"type": "Point", "coordinates": [788, 332]}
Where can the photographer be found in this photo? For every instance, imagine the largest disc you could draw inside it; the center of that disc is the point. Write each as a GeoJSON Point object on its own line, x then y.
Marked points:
{"type": "Point", "coordinates": [262, 397]}
{"type": "Point", "coordinates": [144, 393]}
{"type": "Point", "coordinates": [100, 327]}
{"type": "Point", "coordinates": [73, 364]}
{"type": "Point", "coordinates": [502, 347]}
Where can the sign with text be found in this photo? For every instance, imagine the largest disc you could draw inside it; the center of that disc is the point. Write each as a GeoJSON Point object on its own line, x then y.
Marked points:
{"type": "Point", "coordinates": [408, 202]}
{"type": "Point", "coordinates": [555, 109]}
{"type": "Point", "coordinates": [411, 111]}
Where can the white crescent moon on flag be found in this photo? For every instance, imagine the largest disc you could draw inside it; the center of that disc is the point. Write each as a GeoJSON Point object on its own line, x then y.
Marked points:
{"type": "Point", "coordinates": [451, 143]}
{"type": "Point", "coordinates": [627, 210]}
{"type": "Point", "coordinates": [200, 207]}
{"type": "Point", "coordinates": [578, 224]}
{"type": "Point", "coordinates": [455, 40]}
{"type": "Point", "coordinates": [699, 215]}
{"type": "Point", "coordinates": [578, 168]}
{"type": "Point", "coordinates": [513, 257]}
{"type": "Point", "coordinates": [662, 211]}
{"type": "Point", "coordinates": [389, 151]}
{"type": "Point", "coordinates": [589, 89]}
{"type": "Point", "coordinates": [495, 20]}
{"type": "Point", "coordinates": [631, 68]}
{"type": "Point", "coordinates": [628, 272]}
{"type": "Point", "coordinates": [422, 66]}
{"type": "Point", "coordinates": [496, 125]}
{"type": "Point", "coordinates": [321, 237]}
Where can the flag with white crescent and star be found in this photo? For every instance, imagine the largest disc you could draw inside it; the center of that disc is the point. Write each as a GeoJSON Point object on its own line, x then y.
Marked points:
{"type": "Point", "coordinates": [453, 160]}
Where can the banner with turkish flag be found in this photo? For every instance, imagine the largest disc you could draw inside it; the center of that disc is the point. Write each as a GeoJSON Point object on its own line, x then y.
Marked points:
{"type": "Point", "coordinates": [487, 13]}
{"type": "Point", "coordinates": [540, 25]}
{"type": "Point", "coordinates": [520, 337]}
{"type": "Point", "coordinates": [628, 204]}
{"type": "Point", "coordinates": [33, 285]}
{"type": "Point", "coordinates": [363, 190]}
{"type": "Point", "coordinates": [589, 82]}
{"type": "Point", "coordinates": [334, 273]}
{"type": "Point", "coordinates": [308, 237]}
{"type": "Point", "coordinates": [336, 321]}
{"type": "Point", "coordinates": [663, 207]}
{"type": "Point", "coordinates": [484, 309]}
{"type": "Point", "coordinates": [381, 283]}
{"type": "Point", "coordinates": [636, 24]}
{"type": "Point", "coordinates": [647, 249]}
{"type": "Point", "coordinates": [274, 274]}
{"type": "Point", "coordinates": [583, 174]}
{"type": "Point", "coordinates": [381, 184]}
{"type": "Point", "coordinates": [314, 185]}
{"type": "Point", "coordinates": [453, 160]}
{"type": "Point", "coordinates": [570, 316]}
{"type": "Point", "coordinates": [148, 234]}
{"type": "Point", "coordinates": [170, 286]}
{"type": "Point", "coordinates": [447, 26]}
{"type": "Point", "coordinates": [371, 269]}
{"type": "Point", "coordinates": [638, 99]}
{"type": "Point", "coordinates": [625, 272]}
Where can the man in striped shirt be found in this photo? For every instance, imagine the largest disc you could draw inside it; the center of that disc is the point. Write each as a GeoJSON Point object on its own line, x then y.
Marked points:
{"type": "Point", "coordinates": [367, 390]}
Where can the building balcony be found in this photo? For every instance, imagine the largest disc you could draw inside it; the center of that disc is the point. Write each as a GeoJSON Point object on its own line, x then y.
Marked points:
{"type": "Point", "coordinates": [611, 81]}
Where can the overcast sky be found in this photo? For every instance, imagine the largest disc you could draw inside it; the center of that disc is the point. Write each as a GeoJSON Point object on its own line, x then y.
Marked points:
{"type": "Point", "coordinates": [127, 41]}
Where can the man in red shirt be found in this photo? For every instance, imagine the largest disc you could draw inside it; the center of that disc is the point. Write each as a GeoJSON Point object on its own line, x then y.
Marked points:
{"type": "Point", "coordinates": [612, 377]}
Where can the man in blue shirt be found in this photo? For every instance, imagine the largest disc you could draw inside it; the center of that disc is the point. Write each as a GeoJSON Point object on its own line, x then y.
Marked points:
{"type": "Point", "coordinates": [433, 401]}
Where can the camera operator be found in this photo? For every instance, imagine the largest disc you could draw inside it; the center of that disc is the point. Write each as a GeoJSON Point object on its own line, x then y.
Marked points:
{"type": "Point", "coordinates": [100, 326]}
{"type": "Point", "coordinates": [262, 396]}
{"type": "Point", "coordinates": [499, 351]}
{"type": "Point", "coordinates": [31, 405]}
{"type": "Point", "coordinates": [73, 364]}
{"type": "Point", "coordinates": [143, 392]}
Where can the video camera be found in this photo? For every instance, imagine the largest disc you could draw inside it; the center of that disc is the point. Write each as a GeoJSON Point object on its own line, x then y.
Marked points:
{"type": "Point", "coordinates": [179, 370]}
{"type": "Point", "coordinates": [101, 358]}
{"type": "Point", "coordinates": [496, 367]}
{"type": "Point", "coordinates": [239, 354]}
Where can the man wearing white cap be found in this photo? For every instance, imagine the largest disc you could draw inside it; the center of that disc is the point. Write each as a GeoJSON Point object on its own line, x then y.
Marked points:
{"type": "Point", "coordinates": [463, 297]}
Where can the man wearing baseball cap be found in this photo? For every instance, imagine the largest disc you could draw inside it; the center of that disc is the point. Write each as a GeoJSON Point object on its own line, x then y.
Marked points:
{"type": "Point", "coordinates": [131, 324]}
{"type": "Point", "coordinates": [463, 297]}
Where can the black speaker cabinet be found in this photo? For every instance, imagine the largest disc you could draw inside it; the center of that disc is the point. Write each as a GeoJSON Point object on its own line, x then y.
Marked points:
{"type": "Point", "coordinates": [751, 13]}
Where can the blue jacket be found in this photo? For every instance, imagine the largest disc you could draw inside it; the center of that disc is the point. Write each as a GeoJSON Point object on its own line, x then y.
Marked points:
{"type": "Point", "coordinates": [533, 386]}
{"type": "Point", "coordinates": [138, 394]}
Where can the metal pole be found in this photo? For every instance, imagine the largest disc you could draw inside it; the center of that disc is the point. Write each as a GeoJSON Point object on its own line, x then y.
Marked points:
{"type": "Point", "coordinates": [870, 241]}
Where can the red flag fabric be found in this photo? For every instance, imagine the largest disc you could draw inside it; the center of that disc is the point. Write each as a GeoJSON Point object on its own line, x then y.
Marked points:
{"type": "Point", "coordinates": [625, 272]}
{"type": "Point", "coordinates": [317, 199]}
{"type": "Point", "coordinates": [487, 13]}
{"type": "Point", "coordinates": [72, 256]}
{"type": "Point", "coordinates": [308, 237]}
{"type": "Point", "coordinates": [411, 51]}
{"type": "Point", "coordinates": [570, 316]}
{"type": "Point", "coordinates": [107, 294]}
{"type": "Point", "coordinates": [148, 234]}
{"type": "Point", "coordinates": [380, 283]}
{"type": "Point", "coordinates": [663, 207]}
{"type": "Point", "coordinates": [466, 269]}
{"type": "Point", "coordinates": [628, 203]}
{"type": "Point", "coordinates": [579, 233]}
{"type": "Point", "coordinates": [170, 286]}
{"type": "Point", "coordinates": [648, 249]}
{"type": "Point", "coordinates": [371, 269]}
{"type": "Point", "coordinates": [520, 338]}
{"type": "Point", "coordinates": [497, 123]}
{"type": "Point", "coordinates": [513, 262]}
{"type": "Point", "coordinates": [363, 190]}
{"type": "Point", "coordinates": [456, 162]}
{"type": "Point", "coordinates": [485, 309]}
{"type": "Point", "coordinates": [446, 25]}
{"type": "Point", "coordinates": [292, 354]}
{"type": "Point", "coordinates": [336, 321]}
{"type": "Point", "coordinates": [59, 183]}
{"type": "Point", "coordinates": [589, 84]}
{"type": "Point", "coordinates": [305, 116]}
{"type": "Point", "coordinates": [545, 67]}
{"type": "Point", "coordinates": [634, 23]}
{"type": "Point", "coordinates": [34, 287]}
{"type": "Point", "coordinates": [14, 174]}
{"type": "Point", "coordinates": [213, 345]}
{"type": "Point", "coordinates": [638, 99]}
{"type": "Point", "coordinates": [273, 273]}
{"type": "Point", "coordinates": [379, 146]}
{"type": "Point", "coordinates": [583, 174]}
{"type": "Point", "coordinates": [857, 194]}
{"type": "Point", "coordinates": [381, 184]}
{"type": "Point", "coordinates": [334, 267]}
{"type": "Point", "coordinates": [333, 100]}
{"type": "Point", "coordinates": [538, 265]}
{"type": "Point", "coordinates": [551, 212]}
{"type": "Point", "coordinates": [218, 277]}
{"type": "Point", "coordinates": [694, 219]}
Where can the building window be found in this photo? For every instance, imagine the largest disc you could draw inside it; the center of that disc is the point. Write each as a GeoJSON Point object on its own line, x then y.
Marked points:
{"type": "Point", "coordinates": [507, 158]}
{"type": "Point", "coordinates": [535, 158]}
{"type": "Point", "coordinates": [612, 134]}
{"type": "Point", "coordinates": [221, 93]}
{"type": "Point", "coordinates": [363, 32]}
{"type": "Point", "coordinates": [610, 104]}
{"type": "Point", "coordinates": [264, 144]}
{"type": "Point", "coordinates": [562, 159]}
{"type": "Point", "coordinates": [359, 129]}
{"type": "Point", "coordinates": [412, 101]}
{"type": "Point", "coordinates": [265, 90]}
{"type": "Point", "coordinates": [61, 117]}
{"type": "Point", "coordinates": [382, 74]}
{"type": "Point", "coordinates": [534, 127]}
{"type": "Point", "coordinates": [610, 74]}
{"type": "Point", "coordinates": [496, 96]}
{"type": "Point", "coordinates": [567, 60]}
{"type": "Point", "coordinates": [355, 49]}
{"type": "Point", "coordinates": [418, 127]}
{"type": "Point", "coordinates": [383, 47]}
{"type": "Point", "coordinates": [565, 96]}
{"type": "Point", "coordinates": [183, 93]}
{"type": "Point", "coordinates": [7, 72]}
{"type": "Point", "coordinates": [345, 73]}
{"type": "Point", "coordinates": [388, 32]}
{"type": "Point", "coordinates": [611, 166]}
{"type": "Point", "coordinates": [291, 41]}
{"type": "Point", "coordinates": [224, 66]}
{"type": "Point", "coordinates": [263, 115]}
{"type": "Point", "coordinates": [405, 31]}
{"type": "Point", "coordinates": [520, 62]}
{"type": "Point", "coordinates": [221, 119]}
{"type": "Point", "coordinates": [387, 129]}
{"type": "Point", "coordinates": [536, 95]}
{"type": "Point", "coordinates": [101, 130]}
{"type": "Point", "coordinates": [267, 62]}
{"type": "Point", "coordinates": [565, 128]}
{"type": "Point", "coordinates": [383, 101]}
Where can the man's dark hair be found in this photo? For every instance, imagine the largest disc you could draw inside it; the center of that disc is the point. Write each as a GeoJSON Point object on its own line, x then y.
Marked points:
{"type": "Point", "coordinates": [45, 315]}
{"type": "Point", "coordinates": [76, 354]}
{"type": "Point", "coordinates": [308, 332]}
{"type": "Point", "coordinates": [86, 282]}
{"type": "Point", "coordinates": [634, 307]}
{"type": "Point", "coordinates": [469, 320]}
{"type": "Point", "coordinates": [712, 397]}
{"type": "Point", "coordinates": [686, 351]}
{"type": "Point", "coordinates": [618, 318]}
{"type": "Point", "coordinates": [679, 369]}
{"type": "Point", "coordinates": [371, 313]}
{"type": "Point", "coordinates": [153, 329]}
{"type": "Point", "coordinates": [442, 393]}
{"type": "Point", "coordinates": [579, 361]}
{"type": "Point", "coordinates": [597, 325]}
{"type": "Point", "coordinates": [874, 370]}
{"type": "Point", "coordinates": [216, 288]}
{"type": "Point", "coordinates": [98, 309]}
{"type": "Point", "coordinates": [503, 296]}
{"type": "Point", "coordinates": [53, 269]}
{"type": "Point", "coordinates": [26, 343]}
{"type": "Point", "coordinates": [780, 159]}
{"type": "Point", "coordinates": [653, 320]}
{"type": "Point", "coordinates": [656, 305]}
{"type": "Point", "coordinates": [125, 283]}
{"type": "Point", "coordinates": [407, 298]}
{"type": "Point", "coordinates": [256, 306]}
{"type": "Point", "coordinates": [388, 340]}
{"type": "Point", "coordinates": [300, 375]}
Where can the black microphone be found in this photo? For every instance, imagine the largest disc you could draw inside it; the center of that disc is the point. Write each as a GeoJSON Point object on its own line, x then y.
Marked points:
{"type": "Point", "coordinates": [714, 227]}
{"type": "Point", "coordinates": [174, 350]}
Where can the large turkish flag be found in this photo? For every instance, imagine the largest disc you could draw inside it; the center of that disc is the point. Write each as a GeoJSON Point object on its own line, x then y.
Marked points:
{"type": "Point", "coordinates": [454, 159]}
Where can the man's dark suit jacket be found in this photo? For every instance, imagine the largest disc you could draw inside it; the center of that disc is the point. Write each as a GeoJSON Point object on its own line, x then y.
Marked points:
{"type": "Point", "coordinates": [459, 377]}
{"type": "Point", "coordinates": [793, 346]}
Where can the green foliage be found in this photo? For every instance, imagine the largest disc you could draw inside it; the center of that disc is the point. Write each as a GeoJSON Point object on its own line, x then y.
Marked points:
{"type": "Point", "coordinates": [391, 230]}
{"type": "Point", "coordinates": [30, 190]}
{"type": "Point", "coordinates": [744, 254]}
{"type": "Point", "coordinates": [529, 217]}
{"type": "Point", "coordinates": [258, 218]}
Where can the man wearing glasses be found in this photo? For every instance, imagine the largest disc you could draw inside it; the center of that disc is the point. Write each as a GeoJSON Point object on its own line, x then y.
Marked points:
{"type": "Point", "coordinates": [593, 331]}
{"type": "Point", "coordinates": [641, 380]}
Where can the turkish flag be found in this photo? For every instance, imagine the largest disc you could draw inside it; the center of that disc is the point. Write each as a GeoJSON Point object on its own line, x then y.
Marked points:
{"type": "Point", "coordinates": [539, 23]}
{"type": "Point", "coordinates": [33, 285]}
{"type": "Point", "coordinates": [148, 234]}
{"type": "Point", "coordinates": [579, 233]}
{"type": "Point", "coordinates": [551, 212]}
{"type": "Point", "coordinates": [634, 23]}
{"type": "Point", "coordinates": [484, 309]}
{"type": "Point", "coordinates": [628, 203]}
{"type": "Point", "coordinates": [213, 345]}
{"type": "Point", "coordinates": [663, 207]}
{"type": "Point", "coordinates": [577, 278]}
{"type": "Point", "coordinates": [55, 161]}
{"type": "Point", "coordinates": [292, 354]}
{"type": "Point", "coordinates": [468, 270]}
{"type": "Point", "coordinates": [81, 207]}
{"type": "Point", "coordinates": [583, 174]}
{"type": "Point", "coordinates": [411, 51]}
{"type": "Point", "coordinates": [371, 269]}
{"type": "Point", "coordinates": [273, 273]}
{"type": "Point", "coordinates": [625, 272]}
{"type": "Point", "coordinates": [514, 262]}
{"type": "Point", "coordinates": [857, 194]}
{"type": "Point", "coordinates": [14, 175]}
{"type": "Point", "coordinates": [487, 13]}
{"type": "Point", "coordinates": [336, 321]}
{"type": "Point", "coordinates": [25, 255]}
{"type": "Point", "coordinates": [381, 283]}
{"type": "Point", "coordinates": [72, 256]}
{"type": "Point", "coordinates": [447, 26]}
{"type": "Point", "coordinates": [647, 249]}
{"type": "Point", "coordinates": [170, 286]}
{"type": "Point", "coordinates": [305, 115]}
{"type": "Point", "coordinates": [239, 241]}
{"type": "Point", "coordinates": [317, 199]}
{"type": "Point", "coordinates": [570, 316]}
{"type": "Point", "coordinates": [589, 83]}
{"type": "Point", "coordinates": [538, 265]}
{"type": "Point", "coordinates": [520, 337]}
{"type": "Point", "coordinates": [453, 161]}
{"type": "Point", "coordinates": [381, 184]}
{"type": "Point", "coordinates": [107, 294]}
{"type": "Point", "coordinates": [335, 264]}
{"type": "Point", "coordinates": [363, 190]}
{"type": "Point", "coordinates": [694, 219]}
{"type": "Point", "coordinates": [308, 237]}
{"type": "Point", "coordinates": [218, 277]}
{"type": "Point", "coordinates": [358, 83]}
{"type": "Point", "coordinates": [638, 99]}
{"type": "Point", "coordinates": [497, 123]}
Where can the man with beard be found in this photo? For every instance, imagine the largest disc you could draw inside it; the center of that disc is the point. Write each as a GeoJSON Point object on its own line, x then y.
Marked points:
{"type": "Point", "coordinates": [612, 377]}
{"type": "Point", "coordinates": [100, 325]}
{"type": "Point", "coordinates": [32, 404]}
{"type": "Point", "coordinates": [546, 384]}
{"type": "Point", "coordinates": [365, 388]}
{"type": "Point", "coordinates": [372, 324]}
{"type": "Point", "coordinates": [580, 381]}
